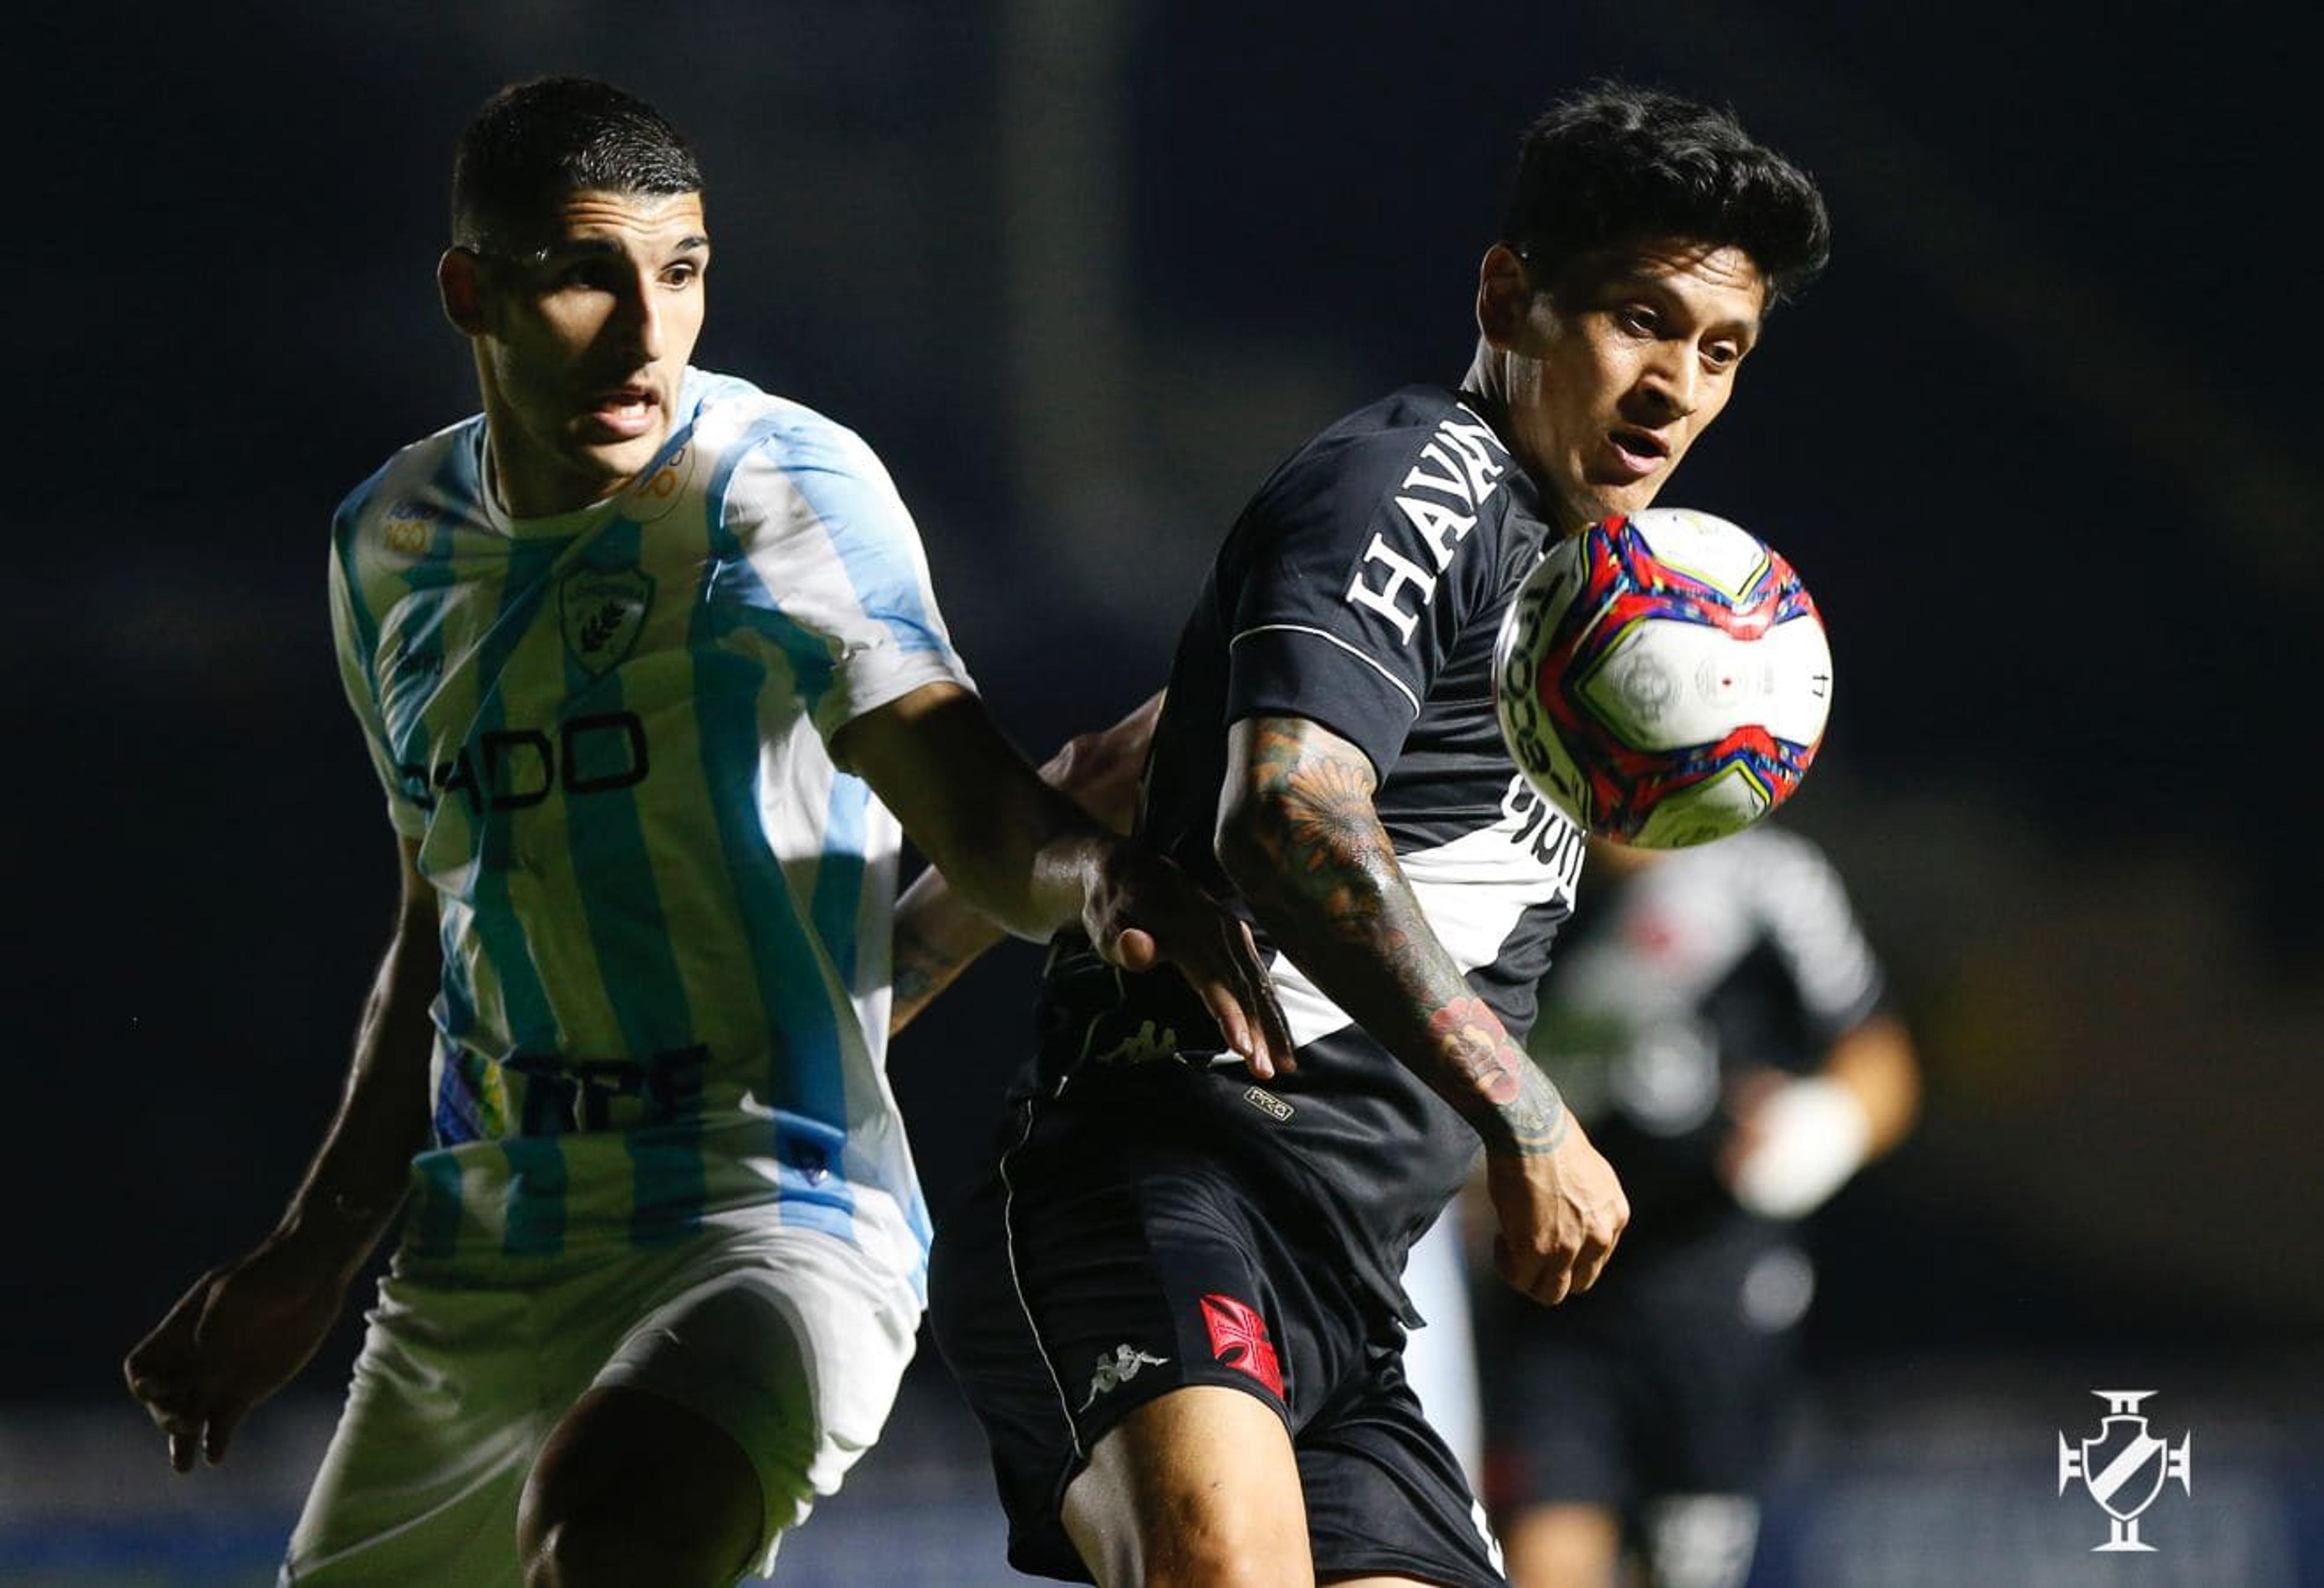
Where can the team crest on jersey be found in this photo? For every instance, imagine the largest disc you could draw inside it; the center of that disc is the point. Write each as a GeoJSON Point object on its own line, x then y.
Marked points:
{"type": "Point", "coordinates": [1238, 1338]}
{"type": "Point", "coordinates": [603, 611]}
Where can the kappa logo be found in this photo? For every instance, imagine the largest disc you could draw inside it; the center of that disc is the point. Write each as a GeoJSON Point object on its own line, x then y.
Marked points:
{"type": "Point", "coordinates": [2124, 1467]}
{"type": "Point", "coordinates": [603, 612]}
{"type": "Point", "coordinates": [1115, 1370]}
{"type": "Point", "coordinates": [1238, 1339]}
{"type": "Point", "coordinates": [1149, 1042]}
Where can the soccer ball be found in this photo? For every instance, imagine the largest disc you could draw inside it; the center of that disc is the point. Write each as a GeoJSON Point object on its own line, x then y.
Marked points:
{"type": "Point", "coordinates": [1663, 678]}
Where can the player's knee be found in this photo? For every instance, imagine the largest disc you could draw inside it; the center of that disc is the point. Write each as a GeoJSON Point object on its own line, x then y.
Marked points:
{"type": "Point", "coordinates": [1196, 1489]}
{"type": "Point", "coordinates": [634, 1491]}
{"type": "Point", "coordinates": [561, 1553]}
{"type": "Point", "coordinates": [1207, 1556]}
{"type": "Point", "coordinates": [615, 1548]}
{"type": "Point", "coordinates": [1172, 1548]}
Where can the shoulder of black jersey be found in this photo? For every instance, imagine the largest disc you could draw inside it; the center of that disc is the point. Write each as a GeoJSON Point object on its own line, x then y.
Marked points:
{"type": "Point", "coordinates": [1392, 429]}
{"type": "Point", "coordinates": [1428, 443]}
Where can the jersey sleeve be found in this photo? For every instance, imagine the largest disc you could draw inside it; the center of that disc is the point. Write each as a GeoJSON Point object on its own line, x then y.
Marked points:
{"type": "Point", "coordinates": [354, 632]}
{"type": "Point", "coordinates": [1804, 909]}
{"type": "Point", "coordinates": [1349, 594]}
{"type": "Point", "coordinates": [841, 581]}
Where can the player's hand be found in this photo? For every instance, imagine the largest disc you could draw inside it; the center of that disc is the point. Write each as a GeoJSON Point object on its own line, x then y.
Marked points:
{"type": "Point", "coordinates": [1559, 1213]}
{"type": "Point", "coordinates": [1146, 911]}
{"type": "Point", "coordinates": [1100, 771]}
{"type": "Point", "coordinates": [1796, 1142]}
{"type": "Point", "coordinates": [239, 1334]}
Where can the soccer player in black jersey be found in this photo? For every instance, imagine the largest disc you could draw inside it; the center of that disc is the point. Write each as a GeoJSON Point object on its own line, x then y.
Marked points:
{"type": "Point", "coordinates": [1723, 1021]}
{"type": "Point", "coordinates": [1174, 1302]}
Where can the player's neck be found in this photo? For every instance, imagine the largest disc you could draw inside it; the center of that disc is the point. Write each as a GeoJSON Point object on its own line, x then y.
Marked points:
{"type": "Point", "coordinates": [527, 493]}
{"type": "Point", "coordinates": [1487, 377]}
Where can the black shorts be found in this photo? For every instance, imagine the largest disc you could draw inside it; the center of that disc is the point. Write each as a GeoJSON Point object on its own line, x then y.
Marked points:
{"type": "Point", "coordinates": [1106, 1263]}
{"type": "Point", "coordinates": [1669, 1378]}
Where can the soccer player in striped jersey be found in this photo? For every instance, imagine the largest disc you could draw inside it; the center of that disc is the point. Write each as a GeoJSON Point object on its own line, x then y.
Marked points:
{"type": "Point", "coordinates": [1175, 1300]}
{"type": "Point", "coordinates": [651, 673]}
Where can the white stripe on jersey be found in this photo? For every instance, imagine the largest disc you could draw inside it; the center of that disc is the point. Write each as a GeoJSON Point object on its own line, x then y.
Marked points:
{"type": "Point", "coordinates": [1798, 893]}
{"type": "Point", "coordinates": [1361, 655]}
{"type": "Point", "coordinates": [1473, 891]}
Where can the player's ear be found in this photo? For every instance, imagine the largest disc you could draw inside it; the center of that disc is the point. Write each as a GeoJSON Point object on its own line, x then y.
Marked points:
{"type": "Point", "coordinates": [1504, 293]}
{"type": "Point", "coordinates": [460, 287]}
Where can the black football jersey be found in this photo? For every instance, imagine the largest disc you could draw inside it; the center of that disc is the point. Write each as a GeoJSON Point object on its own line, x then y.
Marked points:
{"type": "Point", "coordinates": [1362, 588]}
{"type": "Point", "coordinates": [1673, 984]}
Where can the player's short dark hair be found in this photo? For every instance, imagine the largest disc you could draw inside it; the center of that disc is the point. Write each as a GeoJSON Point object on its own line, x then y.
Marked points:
{"type": "Point", "coordinates": [535, 141]}
{"type": "Point", "coordinates": [1615, 164]}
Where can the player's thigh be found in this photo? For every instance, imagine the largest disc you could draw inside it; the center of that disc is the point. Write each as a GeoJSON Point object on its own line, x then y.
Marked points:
{"type": "Point", "coordinates": [1093, 1276]}
{"type": "Point", "coordinates": [422, 1477]}
{"type": "Point", "coordinates": [1198, 1486]}
{"type": "Point", "coordinates": [1387, 1499]}
{"type": "Point", "coordinates": [631, 1485]}
{"type": "Point", "coordinates": [791, 1344]}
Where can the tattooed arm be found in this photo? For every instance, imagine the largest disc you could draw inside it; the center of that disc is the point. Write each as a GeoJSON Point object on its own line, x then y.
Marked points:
{"type": "Point", "coordinates": [1299, 835]}
{"type": "Point", "coordinates": [938, 934]}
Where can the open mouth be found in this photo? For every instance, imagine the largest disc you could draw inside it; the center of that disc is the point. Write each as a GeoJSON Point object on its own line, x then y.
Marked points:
{"type": "Point", "coordinates": [1639, 452]}
{"type": "Point", "coordinates": [624, 412]}
{"type": "Point", "coordinates": [1641, 444]}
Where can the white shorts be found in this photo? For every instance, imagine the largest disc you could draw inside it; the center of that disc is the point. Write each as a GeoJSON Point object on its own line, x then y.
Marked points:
{"type": "Point", "coordinates": [791, 1339]}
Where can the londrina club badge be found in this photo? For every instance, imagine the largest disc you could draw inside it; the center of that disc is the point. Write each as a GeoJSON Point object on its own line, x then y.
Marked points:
{"type": "Point", "coordinates": [2124, 1467]}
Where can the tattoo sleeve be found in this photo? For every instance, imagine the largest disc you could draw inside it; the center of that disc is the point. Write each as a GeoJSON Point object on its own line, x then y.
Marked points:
{"type": "Point", "coordinates": [1303, 843]}
{"type": "Point", "coordinates": [937, 935]}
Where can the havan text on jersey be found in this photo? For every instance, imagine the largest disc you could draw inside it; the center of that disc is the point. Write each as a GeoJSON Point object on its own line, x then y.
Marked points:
{"type": "Point", "coordinates": [1441, 497]}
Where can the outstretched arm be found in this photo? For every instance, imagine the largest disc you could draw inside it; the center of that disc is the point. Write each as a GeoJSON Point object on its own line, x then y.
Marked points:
{"type": "Point", "coordinates": [938, 934]}
{"type": "Point", "coordinates": [1021, 853]}
{"type": "Point", "coordinates": [244, 1329]}
{"type": "Point", "coordinates": [1300, 837]}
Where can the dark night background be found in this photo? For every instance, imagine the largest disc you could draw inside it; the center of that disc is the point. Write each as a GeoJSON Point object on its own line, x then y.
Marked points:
{"type": "Point", "coordinates": [2042, 443]}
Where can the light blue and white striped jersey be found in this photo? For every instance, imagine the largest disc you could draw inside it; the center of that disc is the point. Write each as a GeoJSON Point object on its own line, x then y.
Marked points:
{"type": "Point", "coordinates": [665, 913]}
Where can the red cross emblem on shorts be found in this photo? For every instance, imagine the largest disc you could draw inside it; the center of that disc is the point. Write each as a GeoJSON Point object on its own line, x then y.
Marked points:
{"type": "Point", "coordinates": [1238, 1339]}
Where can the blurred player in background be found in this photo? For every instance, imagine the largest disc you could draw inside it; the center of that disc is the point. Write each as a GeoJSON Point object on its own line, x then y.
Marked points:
{"type": "Point", "coordinates": [645, 658]}
{"type": "Point", "coordinates": [1720, 1017]}
{"type": "Point", "coordinates": [1175, 1301]}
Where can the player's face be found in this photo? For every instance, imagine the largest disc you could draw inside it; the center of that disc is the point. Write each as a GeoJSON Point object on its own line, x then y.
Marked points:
{"type": "Point", "coordinates": [1610, 379]}
{"type": "Point", "coordinates": [584, 343]}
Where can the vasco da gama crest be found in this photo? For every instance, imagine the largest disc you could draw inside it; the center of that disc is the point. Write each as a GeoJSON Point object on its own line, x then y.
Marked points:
{"type": "Point", "coordinates": [602, 610]}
